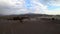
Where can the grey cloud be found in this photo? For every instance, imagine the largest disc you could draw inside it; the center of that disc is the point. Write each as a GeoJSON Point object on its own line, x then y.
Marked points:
{"type": "Point", "coordinates": [7, 8]}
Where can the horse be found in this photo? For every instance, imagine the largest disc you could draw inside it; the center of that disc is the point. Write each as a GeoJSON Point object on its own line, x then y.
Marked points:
{"type": "Point", "coordinates": [19, 18]}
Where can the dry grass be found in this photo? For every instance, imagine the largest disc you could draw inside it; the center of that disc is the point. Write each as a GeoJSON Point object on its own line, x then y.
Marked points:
{"type": "Point", "coordinates": [32, 26]}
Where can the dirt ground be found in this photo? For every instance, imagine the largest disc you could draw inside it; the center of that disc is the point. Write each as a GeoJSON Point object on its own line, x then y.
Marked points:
{"type": "Point", "coordinates": [40, 26]}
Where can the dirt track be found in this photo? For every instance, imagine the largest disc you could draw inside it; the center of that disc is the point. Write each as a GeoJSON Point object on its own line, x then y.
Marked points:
{"type": "Point", "coordinates": [30, 27]}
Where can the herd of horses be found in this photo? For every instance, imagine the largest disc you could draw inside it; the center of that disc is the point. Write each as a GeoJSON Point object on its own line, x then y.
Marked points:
{"type": "Point", "coordinates": [19, 18]}
{"type": "Point", "coordinates": [22, 18]}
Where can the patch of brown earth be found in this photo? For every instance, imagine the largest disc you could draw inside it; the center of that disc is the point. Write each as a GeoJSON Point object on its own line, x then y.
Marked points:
{"type": "Point", "coordinates": [40, 26]}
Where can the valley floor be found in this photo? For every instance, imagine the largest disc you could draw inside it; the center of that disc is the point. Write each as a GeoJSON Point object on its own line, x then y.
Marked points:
{"type": "Point", "coordinates": [30, 27]}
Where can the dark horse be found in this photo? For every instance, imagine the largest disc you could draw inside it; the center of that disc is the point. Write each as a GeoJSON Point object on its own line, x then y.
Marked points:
{"type": "Point", "coordinates": [53, 18]}
{"type": "Point", "coordinates": [19, 18]}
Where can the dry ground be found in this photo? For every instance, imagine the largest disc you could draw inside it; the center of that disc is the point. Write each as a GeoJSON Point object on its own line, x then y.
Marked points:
{"type": "Point", "coordinates": [38, 26]}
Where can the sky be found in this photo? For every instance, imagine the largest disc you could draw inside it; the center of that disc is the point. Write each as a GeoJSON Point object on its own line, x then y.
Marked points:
{"type": "Point", "coordinates": [50, 7]}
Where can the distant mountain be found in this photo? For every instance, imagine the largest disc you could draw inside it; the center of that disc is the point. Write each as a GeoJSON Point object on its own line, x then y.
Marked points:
{"type": "Point", "coordinates": [1, 15]}
{"type": "Point", "coordinates": [25, 14]}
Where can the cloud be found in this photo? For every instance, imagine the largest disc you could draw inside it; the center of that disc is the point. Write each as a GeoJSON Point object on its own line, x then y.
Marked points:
{"type": "Point", "coordinates": [54, 2]}
{"type": "Point", "coordinates": [51, 2]}
{"type": "Point", "coordinates": [53, 12]}
{"type": "Point", "coordinates": [18, 7]}
{"type": "Point", "coordinates": [8, 7]}
{"type": "Point", "coordinates": [38, 7]}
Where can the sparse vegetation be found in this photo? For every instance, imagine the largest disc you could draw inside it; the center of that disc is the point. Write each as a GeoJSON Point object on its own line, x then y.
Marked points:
{"type": "Point", "coordinates": [35, 24]}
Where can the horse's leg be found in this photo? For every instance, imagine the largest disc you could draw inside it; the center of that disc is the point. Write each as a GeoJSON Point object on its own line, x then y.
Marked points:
{"type": "Point", "coordinates": [28, 18]}
{"type": "Point", "coordinates": [21, 21]}
{"type": "Point", "coordinates": [53, 19]}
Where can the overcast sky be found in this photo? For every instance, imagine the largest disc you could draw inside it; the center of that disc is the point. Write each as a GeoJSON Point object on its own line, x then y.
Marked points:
{"type": "Point", "coordinates": [8, 7]}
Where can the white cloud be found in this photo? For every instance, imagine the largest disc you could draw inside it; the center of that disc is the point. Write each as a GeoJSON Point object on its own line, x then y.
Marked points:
{"type": "Point", "coordinates": [8, 7]}
{"type": "Point", "coordinates": [11, 7]}
{"type": "Point", "coordinates": [17, 7]}
{"type": "Point", "coordinates": [54, 2]}
{"type": "Point", "coordinates": [12, 2]}
{"type": "Point", "coordinates": [53, 12]}
{"type": "Point", "coordinates": [39, 8]}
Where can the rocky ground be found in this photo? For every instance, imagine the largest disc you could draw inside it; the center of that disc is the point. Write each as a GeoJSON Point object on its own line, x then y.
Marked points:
{"type": "Point", "coordinates": [32, 26]}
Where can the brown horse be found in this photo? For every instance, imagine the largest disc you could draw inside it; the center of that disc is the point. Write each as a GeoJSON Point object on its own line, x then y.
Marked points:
{"type": "Point", "coordinates": [52, 18]}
